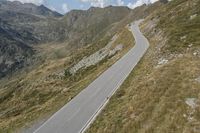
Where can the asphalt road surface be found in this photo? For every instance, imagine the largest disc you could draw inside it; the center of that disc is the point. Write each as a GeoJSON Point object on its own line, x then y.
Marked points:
{"type": "Point", "coordinates": [77, 115]}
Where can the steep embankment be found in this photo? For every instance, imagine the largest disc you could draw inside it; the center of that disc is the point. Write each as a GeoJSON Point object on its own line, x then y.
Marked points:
{"type": "Point", "coordinates": [162, 94]}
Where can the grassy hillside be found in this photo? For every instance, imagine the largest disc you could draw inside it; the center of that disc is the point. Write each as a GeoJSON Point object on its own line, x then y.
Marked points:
{"type": "Point", "coordinates": [162, 94]}
{"type": "Point", "coordinates": [39, 90]}
{"type": "Point", "coordinates": [37, 94]}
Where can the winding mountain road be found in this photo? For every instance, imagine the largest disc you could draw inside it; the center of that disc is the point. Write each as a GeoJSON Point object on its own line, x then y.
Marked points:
{"type": "Point", "coordinates": [77, 115]}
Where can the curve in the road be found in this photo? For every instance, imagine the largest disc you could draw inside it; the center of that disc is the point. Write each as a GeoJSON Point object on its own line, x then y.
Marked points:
{"type": "Point", "coordinates": [77, 115]}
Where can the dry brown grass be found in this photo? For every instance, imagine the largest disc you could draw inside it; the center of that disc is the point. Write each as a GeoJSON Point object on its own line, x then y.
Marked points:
{"type": "Point", "coordinates": [153, 98]}
{"type": "Point", "coordinates": [41, 92]}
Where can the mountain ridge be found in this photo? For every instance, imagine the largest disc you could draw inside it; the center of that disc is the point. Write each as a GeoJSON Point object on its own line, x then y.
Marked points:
{"type": "Point", "coordinates": [144, 103]}
{"type": "Point", "coordinates": [28, 8]}
{"type": "Point", "coordinates": [35, 25]}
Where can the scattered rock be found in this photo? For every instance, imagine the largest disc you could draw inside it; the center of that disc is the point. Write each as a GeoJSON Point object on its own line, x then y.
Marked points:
{"type": "Point", "coordinates": [193, 16]}
{"type": "Point", "coordinates": [192, 102]}
{"type": "Point", "coordinates": [195, 53]}
{"type": "Point", "coordinates": [198, 79]}
{"type": "Point", "coordinates": [162, 61]}
{"type": "Point", "coordinates": [190, 45]}
{"type": "Point", "coordinates": [115, 50]}
{"type": "Point", "coordinates": [96, 57]}
{"type": "Point", "coordinates": [65, 90]}
{"type": "Point", "coordinates": [183, 37]}
{"type": "Point", "coordinates": [184, 115]}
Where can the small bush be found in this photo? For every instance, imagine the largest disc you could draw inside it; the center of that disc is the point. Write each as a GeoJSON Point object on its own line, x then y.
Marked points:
{"type": "Point", "coordinates": [67, 73]}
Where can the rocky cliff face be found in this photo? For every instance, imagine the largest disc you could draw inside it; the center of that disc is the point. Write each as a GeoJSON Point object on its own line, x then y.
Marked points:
{"type": "Point", "coordinates": [13, 50]}
{"type": "Point", "coordinates": [17, 21]}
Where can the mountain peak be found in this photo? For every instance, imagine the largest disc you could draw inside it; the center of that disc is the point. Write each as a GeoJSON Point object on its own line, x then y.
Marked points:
{"type": "Point", "coordinates": [27, 8]}
{"type": "Point", "coordinates": [42, 6]}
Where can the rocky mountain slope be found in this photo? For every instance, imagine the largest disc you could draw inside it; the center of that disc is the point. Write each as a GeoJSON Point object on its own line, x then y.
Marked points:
{"type": "Point", "coordinates": [13, 49]}
{"type": "Point", "coordinates": [28, 24]}
{"type": "Point", "coordinates": [16, 37]}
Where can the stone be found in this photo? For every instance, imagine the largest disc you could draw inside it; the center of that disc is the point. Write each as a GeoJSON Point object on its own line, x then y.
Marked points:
{"type": "Point", "coordinates": [162, 61]}
{"type": "Point", "coordinates": [193, 16]}
{"type": "Point", "coordinates": [191, 102]}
